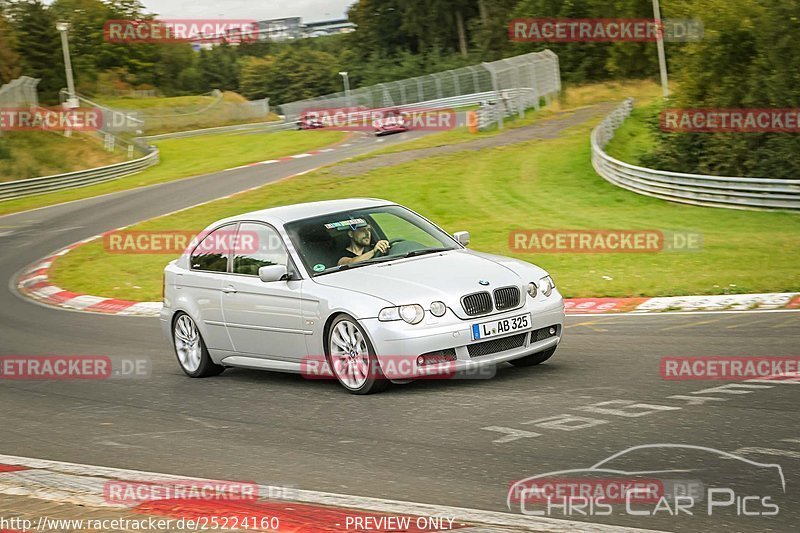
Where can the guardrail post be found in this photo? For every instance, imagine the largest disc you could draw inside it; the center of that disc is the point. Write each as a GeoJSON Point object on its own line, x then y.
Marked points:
{"type": "Point", "coordinates": [520, 100]}
{"type": "Point", "coordinates": [496, 88]}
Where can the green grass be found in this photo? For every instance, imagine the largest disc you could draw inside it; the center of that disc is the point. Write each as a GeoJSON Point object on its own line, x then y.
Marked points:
{"type": "Point", "coordinates": [155, 102]}
{"type": "Point", "coordinates": [184, 113]}
{"type": "Point", "coordinates": [634, 138]}
{"type": "Point", "coordinates": [179, 159]}
{"type": "Point", "coordinates": [31, 154]}
{"type": "Point", "coordinates": [542, 184]}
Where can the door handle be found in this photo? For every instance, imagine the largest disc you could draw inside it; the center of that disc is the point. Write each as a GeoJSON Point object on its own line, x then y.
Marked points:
{"type": "Point", "coordinates": [230, 289]}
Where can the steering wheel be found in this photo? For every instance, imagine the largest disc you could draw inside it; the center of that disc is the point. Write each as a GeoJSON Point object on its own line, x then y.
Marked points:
{"type": "Point", "coordinates": [392, 242]}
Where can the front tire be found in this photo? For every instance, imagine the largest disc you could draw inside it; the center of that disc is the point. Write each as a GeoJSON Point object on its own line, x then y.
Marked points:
{"type": "Point", "coordinates": [535, 358]}
{"type": "Point", "coordinates": [352, 358]}
{"type": "Point", "coordinates": [190, 349]}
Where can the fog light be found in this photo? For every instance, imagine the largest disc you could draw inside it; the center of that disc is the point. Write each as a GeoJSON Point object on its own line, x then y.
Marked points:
{"type": "Point", "coordinates": [420, 361]}
{"type": "Point", "coordinates": [552, 331]}
{"type": "Point", "coordinates": [438, 308]}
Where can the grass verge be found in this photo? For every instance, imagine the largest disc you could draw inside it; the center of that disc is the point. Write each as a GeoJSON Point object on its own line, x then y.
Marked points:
{"type": "Point", "coordinates": [540, 184]}
{"type": "Point", "coordinates": [183, 113]}
{"type": "Point", "coordinates": [179, 159]}
{"type": "Point", "coordinates": [30, 154]}
{"type": "Point", "coordinates": [634, 138]}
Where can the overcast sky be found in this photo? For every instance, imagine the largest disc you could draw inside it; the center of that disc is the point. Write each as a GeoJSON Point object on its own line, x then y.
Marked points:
{"type": "Point", "coordinates": [309, 10]}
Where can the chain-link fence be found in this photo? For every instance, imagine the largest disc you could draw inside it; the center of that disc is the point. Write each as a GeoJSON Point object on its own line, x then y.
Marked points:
{"type": "Point", "coordinates": [518, 82]}
{"type": "Point", "coordinates": [163, 119]}
{"type": "Point", "coordinates": [19, 93]}
{"type": "Point", "coordinates": [535, 76]}
{"type": "Point", "coordinates": [117, 129]}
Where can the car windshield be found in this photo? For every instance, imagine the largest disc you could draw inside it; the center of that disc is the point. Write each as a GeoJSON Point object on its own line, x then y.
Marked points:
{"type": "Point", "coordinates": [323, 241]}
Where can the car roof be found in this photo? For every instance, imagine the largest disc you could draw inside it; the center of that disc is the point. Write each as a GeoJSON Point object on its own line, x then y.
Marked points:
{"type": "Point", "coordinates": [290, 213]}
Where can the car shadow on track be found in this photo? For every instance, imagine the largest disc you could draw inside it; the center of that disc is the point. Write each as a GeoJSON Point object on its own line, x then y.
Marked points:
{"type": "Point", "coordinates": [506, 376]}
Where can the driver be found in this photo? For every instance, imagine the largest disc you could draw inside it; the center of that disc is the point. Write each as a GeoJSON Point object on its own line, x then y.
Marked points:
{"type": "Point", "coordinates": [358, 249]}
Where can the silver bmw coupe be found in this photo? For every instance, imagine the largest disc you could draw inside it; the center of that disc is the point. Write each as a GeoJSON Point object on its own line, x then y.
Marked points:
{"type": "Point", "coordinates": [362, 290]}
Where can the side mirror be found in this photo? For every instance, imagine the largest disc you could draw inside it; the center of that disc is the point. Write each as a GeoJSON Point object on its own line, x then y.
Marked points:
{"type": "Point", "coordinates": [272, 273]}
{"type": "Point", "coordinates": [462, 237]}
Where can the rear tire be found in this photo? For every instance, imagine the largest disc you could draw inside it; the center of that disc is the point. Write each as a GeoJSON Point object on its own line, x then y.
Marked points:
{"type": "Point", "coordinates": [534, 359]}
{"type": "Point", "coordinates": [190, 349]}
{"type": "Point", "coordinates": [352, 358]}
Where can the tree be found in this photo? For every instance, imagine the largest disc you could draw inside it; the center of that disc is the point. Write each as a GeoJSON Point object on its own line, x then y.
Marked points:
{"type": "Point", "coordinates": [39, 46]}
{"type": "Point", "coordinates": [748, 58]}
{"type": "Point", "coordinates": [254, 76]}
{"type": "Point", "coordinates": [90, 51]}
{"type": "Point", "coordinates": [173, 59]}
{"type": "Point", "coordinates": [10, 62]}
{"type": "Point", "coordinates": [218, 68]}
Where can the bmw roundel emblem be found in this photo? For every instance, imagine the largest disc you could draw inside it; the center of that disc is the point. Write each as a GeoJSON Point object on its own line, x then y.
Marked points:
{"type": "Point", "coordinates": [483, 282]}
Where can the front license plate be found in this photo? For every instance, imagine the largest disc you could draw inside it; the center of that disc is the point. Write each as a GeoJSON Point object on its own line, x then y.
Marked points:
{"type": "Point", "coordinates": [501, 327]}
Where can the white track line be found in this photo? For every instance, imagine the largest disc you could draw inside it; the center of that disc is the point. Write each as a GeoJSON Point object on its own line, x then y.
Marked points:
{"type": "Point", "coordinates": [86, 492]}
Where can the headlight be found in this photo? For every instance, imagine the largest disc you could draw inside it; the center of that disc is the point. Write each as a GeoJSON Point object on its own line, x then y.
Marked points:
{"type": "Point", "coordinates": [413, 314]}
{"type": "Point", "coordinates": [438, 308]}
{"type": "Point", "coordinates": [547, 285]}
{"type": "Point", "coordinates": [388, 314]}
{"type": "Point", "coordinates": [532, 289]}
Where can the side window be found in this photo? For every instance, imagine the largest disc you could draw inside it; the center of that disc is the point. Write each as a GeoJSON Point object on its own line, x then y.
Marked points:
{"type": "Point", "coordinates": [258, 245]}
{"type": "Point", "coordinates": [214, 250]}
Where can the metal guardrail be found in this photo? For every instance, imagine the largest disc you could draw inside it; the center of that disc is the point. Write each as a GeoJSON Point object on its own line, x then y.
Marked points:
{"type": "Point", "coordinates": [80, 178]}
{"type": "Point", "coordinates": [696, 189]}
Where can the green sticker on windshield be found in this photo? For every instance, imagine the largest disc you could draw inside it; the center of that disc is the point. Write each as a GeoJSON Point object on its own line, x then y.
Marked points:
{"type": "Point", "coordinates": [319, 267]}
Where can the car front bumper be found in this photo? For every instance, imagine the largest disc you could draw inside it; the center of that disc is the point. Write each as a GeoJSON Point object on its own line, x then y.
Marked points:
{"type": "Point", "coordinates": [399, 344]}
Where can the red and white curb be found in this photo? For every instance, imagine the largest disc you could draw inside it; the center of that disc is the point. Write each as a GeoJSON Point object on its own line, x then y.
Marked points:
{"type": "Point", "coordinates": [34, 283]}
{"type": "Point", "coordinates": [722, 302]}
{"type": "Point", "coordinates": [289, 158]}
{"type": "Point", "coordinates": [295, 509]}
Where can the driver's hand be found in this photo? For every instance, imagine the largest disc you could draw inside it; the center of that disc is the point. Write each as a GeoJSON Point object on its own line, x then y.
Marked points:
{"type": "Point", "coordinates": [382, 247]}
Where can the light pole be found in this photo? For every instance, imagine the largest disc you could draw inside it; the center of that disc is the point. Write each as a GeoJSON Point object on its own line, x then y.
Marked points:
{"type": "Point", "coordinates": [72, 99]}
{"type": "Point", "coordinates": [662, 60]}
{"type": "Point", "coordinates": [346, 79]}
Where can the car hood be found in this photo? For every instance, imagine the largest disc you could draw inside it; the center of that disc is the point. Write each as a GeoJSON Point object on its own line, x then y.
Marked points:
{"type": "Point", "coordinates": [445, 276]}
